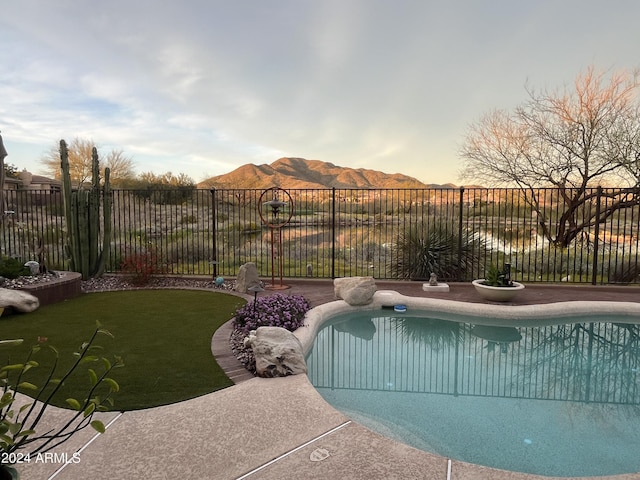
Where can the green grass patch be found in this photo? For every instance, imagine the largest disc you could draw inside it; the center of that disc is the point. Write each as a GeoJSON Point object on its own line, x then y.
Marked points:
{"type": "Point", "coordinates": [163, 336]}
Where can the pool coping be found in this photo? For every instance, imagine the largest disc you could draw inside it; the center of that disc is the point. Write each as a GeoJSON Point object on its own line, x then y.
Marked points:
{"type": "Point", "coordinates": [481, 313]}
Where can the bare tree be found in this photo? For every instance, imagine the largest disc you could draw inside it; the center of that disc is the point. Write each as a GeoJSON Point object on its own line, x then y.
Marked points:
{"type": "Point", "coordinates": [571, 139]}
{"type": "Point", "coordinates": [121, 167]}
{"type": "Point", "coordinates": [80, 155]}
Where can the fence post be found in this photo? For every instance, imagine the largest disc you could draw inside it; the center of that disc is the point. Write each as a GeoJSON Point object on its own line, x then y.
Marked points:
{"type": "Point", "coordinates": [461, 212]}
{"type": "Point", "coordinates": [214, 246]}
{"type": "Point", "coordinates": [596, 242]}
{"type": "Point", "coordinates": [333, 232]}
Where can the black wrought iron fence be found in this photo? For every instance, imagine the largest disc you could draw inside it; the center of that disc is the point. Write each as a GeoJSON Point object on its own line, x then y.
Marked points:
{"type": "Point", "coordinates": [33, 223]}
{"type": "Point", "coordinates": [347, 232]}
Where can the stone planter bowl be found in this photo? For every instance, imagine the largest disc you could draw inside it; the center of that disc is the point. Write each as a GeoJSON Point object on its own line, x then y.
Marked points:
{"type": "Point", "coordinates": [497, 294]}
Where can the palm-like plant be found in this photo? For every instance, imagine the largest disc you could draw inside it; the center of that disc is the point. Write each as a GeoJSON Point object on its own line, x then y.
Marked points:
{"type": "Point", "coordinates": [424, 249]}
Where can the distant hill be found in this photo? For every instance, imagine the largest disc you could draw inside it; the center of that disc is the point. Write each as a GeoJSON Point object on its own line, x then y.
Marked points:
{"type": "Point", "coordinates": [300, 173]}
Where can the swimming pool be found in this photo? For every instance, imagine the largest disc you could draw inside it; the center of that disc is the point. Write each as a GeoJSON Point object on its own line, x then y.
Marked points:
{"type": "Point", "coordinates": [547, 399]}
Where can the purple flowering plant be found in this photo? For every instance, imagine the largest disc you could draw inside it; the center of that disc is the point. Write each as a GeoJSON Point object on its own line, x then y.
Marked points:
{"type": "Point", "coordinates": [278, 310]}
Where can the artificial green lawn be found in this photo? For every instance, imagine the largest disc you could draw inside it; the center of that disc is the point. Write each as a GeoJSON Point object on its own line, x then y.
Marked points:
{"type": "Point", "coordinates": [163, 337]}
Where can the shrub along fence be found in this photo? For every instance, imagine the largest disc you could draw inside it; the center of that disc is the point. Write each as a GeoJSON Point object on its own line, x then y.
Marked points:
{"type": "Point", "coordinates": [386, 233]}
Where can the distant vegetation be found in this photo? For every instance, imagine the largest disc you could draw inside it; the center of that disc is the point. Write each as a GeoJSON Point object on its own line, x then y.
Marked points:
{"type": "Point", "coordinates": [387, 233]}
{"type": "Point", "coordinates": [122, 168]}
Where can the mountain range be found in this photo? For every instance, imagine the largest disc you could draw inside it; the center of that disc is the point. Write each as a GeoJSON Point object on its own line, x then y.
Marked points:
{"type": "Point", "coordinates": [296, 173]}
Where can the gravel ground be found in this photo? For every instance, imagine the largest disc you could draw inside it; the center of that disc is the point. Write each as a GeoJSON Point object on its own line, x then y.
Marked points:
{"type": "Point", "coordinates": [20, 282]}
{"type": "Point", "coordinates": [117, 282]}
{"type": "Point", "coordinates": [244, 355]}
{"type": "Point", "coordinates": [113, 282]}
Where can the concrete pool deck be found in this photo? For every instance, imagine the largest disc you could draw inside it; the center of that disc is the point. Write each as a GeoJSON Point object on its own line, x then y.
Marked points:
{"type": "Point", "coordinates": [277, 428]}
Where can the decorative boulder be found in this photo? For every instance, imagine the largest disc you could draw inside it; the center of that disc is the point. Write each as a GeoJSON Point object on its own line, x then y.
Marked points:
{"type": "Point", "coordinates": [355, 290]}
{"type": "Point", "coordinates": [33, 266]}
{"type": "Point", "coordinates": [247, 277]}
{"type": "Point", "coordinates": [18, 299]}
{"type": "Point", "coordinates": [278, 352]}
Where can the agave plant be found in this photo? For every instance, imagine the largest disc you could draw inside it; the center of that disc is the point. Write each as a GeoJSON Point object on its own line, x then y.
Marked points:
{"type": "Point", "coordinates": [498, 278]}
{"type": "Point", "coordinates": [424, 249]}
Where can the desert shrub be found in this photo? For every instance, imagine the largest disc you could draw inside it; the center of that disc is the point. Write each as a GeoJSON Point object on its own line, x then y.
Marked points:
{"type": "Point", "coordinates": [552, 264]}
{"type": "Point", "coordinates": [244, 227]}
{"type": "Point", "coordinates": [140, 266]}
{"type": "Point", "coordinates": [625, 270]}
{"type": "Point", "coordinates": [358, 210]}
{"type": "Point", "coordinates": [13, 268]}
{"type": "Point", "coordinates": [188, 219]}
{"type": "Point", "coordinates": [424, 249]}
{"type": "Point", "coordinates": [279, 310]}
{"type": "Point", "coordinates": [196, 250]}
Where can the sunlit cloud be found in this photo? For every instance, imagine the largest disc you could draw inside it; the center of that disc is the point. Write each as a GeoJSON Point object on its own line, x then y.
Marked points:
{"type": "Point", "coordinates": [202, 87]}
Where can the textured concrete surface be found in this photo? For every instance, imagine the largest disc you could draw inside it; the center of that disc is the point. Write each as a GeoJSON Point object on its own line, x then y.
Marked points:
{"type": "Point", "coordinates": [276, 428]}
{"type": "Point", "coordinates": [221, 435]}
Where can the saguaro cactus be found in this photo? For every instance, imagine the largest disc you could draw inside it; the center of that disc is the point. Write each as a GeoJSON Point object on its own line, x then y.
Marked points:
{"type": "Point", "coordinates": [88, 243]}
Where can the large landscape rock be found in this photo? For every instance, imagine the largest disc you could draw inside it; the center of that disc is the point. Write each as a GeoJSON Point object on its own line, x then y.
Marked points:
{"type": "Point", "coordinates": [278, 352]}
{"type": "Point", "coordinates": [247, 277]}
{"type": "Point", "coordinates": [355, 290]}
{"type": "Point", "coordinates": [18, 300]}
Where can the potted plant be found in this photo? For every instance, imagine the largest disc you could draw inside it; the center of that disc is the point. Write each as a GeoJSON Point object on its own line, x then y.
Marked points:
{"type": "Point", "coordinates": [20, 415]}
{"type": "Point", "coordinates": [497, 286]}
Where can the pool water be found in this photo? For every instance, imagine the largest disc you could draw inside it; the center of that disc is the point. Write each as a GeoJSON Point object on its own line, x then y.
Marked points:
{"type": "Point", "coordinates": [557, 400]}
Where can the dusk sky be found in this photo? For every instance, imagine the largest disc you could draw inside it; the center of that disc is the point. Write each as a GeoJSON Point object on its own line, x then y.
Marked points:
{"type": "Point", "coordinates": [202, 87]}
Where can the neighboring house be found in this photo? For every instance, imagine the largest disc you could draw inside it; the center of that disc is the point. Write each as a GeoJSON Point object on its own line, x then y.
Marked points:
{"type": "Point", "coordinates": [11, 183]}
{"type": "Point", "coordinates": [36, 183]}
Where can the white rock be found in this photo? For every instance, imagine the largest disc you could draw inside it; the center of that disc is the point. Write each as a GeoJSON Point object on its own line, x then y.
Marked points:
{"type": "Point", "coordinates": [18, 299]}
{"type": "Point", "coordinates": [247, 277]}
{"type": "Point", "coordinates": [33, 266]}
{"type": "Point", "coordinates": [278, 352]}
{"type": "Point", "coordinates": [355, 290]}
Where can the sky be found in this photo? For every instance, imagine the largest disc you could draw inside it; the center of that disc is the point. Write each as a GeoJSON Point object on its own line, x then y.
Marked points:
{"type": "Point", "coordinates": [204, 86]}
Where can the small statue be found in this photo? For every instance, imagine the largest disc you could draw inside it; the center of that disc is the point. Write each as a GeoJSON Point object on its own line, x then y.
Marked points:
{"type": "Point", "coordinates": [433, 280]}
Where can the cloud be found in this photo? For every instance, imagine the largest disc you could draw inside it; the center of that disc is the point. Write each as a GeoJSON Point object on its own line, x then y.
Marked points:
{"type": "Point", "coordinates": [205, 86]}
